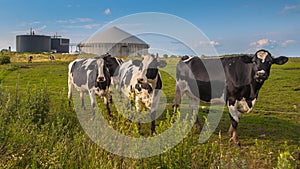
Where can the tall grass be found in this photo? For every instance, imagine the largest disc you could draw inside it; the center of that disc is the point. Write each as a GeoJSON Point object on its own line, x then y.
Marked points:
{"type": "Point", "coordinates": [39, 130]}
{"type": "Point", "coordinates": [35, 135]}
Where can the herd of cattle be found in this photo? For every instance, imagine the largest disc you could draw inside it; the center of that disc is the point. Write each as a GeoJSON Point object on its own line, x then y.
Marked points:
{"type": "Point", "coordinates": [235, 81]}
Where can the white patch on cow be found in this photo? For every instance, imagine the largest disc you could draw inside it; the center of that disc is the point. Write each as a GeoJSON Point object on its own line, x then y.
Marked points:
{"type": "Point", "coordinates": [119, 61]}
{"type": "Point", "coordinates": [87, 62]}
{"type": "Point", "coordinates": [243, 107]}
{"type": "Point", "coordinates": [253, 103]}
{"type": "Point", "coordinates": [100, 63]}
{"type": "Point", "coordinates": [147, 59]}
{"type": "Point", "coordinates": [235, 114]}
{"type": "Point", "coordinates": [188, 59]}
{"type": "Point", "coordinates": [143, 97]}
{"type": "Point", "coordinates": [262, 55]}
{"type": "Point", "coordinates": [261, 72]}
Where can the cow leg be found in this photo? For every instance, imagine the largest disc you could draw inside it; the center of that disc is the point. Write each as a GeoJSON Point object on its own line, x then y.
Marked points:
{"type": "Point", "coordinates": [69, 90]}
{"type": "Point", "coordinates": [194, 103]}
{"type": "Point", "coordinates": [155, 102]}
{"type": "Point", "coordinates": [82, 100]}
{"type": "Point", "coordinates": [153, 114]}
{"type": "Point", "coordinates": [106, 102]}
{"type": "Point", "coordinates": [177, 99]}
{"type": "Point", "coordinates": [235, 117]}
{"type": "Point", "coordinates": [93, 103]}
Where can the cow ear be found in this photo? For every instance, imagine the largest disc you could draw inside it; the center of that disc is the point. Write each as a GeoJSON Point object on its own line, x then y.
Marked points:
{"type": "Point", "coordinates": [136, 62]}
{"type": "Point", "coordinates": [247, 59]}
{"type": "Point", "coordinates": [280, 60]}
{"type": "Point", "coordinates": [162, 63]}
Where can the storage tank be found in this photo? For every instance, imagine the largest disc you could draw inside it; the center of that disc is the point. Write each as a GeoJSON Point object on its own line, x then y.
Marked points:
{"type": "Point", "coordinates": [60, 45]}
{"type": "Point", "coordinates": [33, 43]}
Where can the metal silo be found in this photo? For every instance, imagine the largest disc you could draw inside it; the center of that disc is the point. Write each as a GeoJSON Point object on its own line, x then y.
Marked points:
{"type": "Point", "coordinates": [60, 45]}
{"type": "Point", "coordinates": [33, 43]}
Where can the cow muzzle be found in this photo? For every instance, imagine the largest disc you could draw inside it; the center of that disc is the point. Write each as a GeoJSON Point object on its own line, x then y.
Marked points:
{"type": "Point", "coordinates": [101, 79]}
{"type": "Point", "coordinates": [261, 76]}
{"type": "Point", "coordinates": [141, 80]}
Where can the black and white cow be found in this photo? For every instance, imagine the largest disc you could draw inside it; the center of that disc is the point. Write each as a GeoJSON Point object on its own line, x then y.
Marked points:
{"type": "Point", "coordinates": [244, 76]}
{"type": "Point", "coordinates": [113, 64]}
{"type": "Point", "coordinates": [29, 59]}
{"type": "Point", "coordinates": [141, 81]}
{"type": "Point", "coordinates": [89, 76]}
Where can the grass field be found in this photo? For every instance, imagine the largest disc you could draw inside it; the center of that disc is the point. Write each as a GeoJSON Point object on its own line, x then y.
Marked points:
{"type": "Point", "coordinates": [39, 130]}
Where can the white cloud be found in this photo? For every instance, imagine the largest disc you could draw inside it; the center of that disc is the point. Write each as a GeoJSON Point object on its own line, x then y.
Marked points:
{"type": "Point", "coordinates": [76, 20]}
{"type": "Point", "coordinates": [41, 28]}
{"type": "Point", "coordinates": [288, 42]}
{"type": "Point", "coordinates": [34, 23]}
{"type": "Point", "coordinates": [270, 44]}
{"type": "Point", "coordinates": [290, 8]}
{"type": "Point", "coordinates": [206, 43]}
{"type": "Point", "coordinates": [214, 43]}
{"type": "Point", "coordinates": [24, 32]}
{"type": "Point", "coordinates": [88, 26]}
{"type": "Point", "coordinates": [107, 11]}
{"type": "Point", "coordinates": [264, 43]}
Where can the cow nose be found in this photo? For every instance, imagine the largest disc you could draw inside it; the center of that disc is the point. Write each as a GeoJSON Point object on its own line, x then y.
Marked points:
{"type": "Point", "coordinates": [260, 73]}
{"type": "Point", "coordinates": [141, 80]}
{"type": "Point", "coordinates": [101, 79]}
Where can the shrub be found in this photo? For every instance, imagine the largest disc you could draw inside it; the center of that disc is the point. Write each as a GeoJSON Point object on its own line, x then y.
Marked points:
{"type": "Point", "coordinates": [4, 60]}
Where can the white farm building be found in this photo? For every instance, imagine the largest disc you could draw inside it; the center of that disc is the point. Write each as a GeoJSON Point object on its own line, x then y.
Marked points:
{"type": "Point", "coordinates": [115, 42]}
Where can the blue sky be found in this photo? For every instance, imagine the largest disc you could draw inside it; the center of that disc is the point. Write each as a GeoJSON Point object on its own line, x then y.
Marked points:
{"type": "Point", "coordinates": [233, 26]}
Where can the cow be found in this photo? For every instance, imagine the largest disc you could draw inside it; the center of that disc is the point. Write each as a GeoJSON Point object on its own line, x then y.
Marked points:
{"type": "Point", "coordinates": [29, 59]}
{"type": "Point", "coordinates": [52, 58]}
{"type": "Point", "coordinates": [89, 76]}
{"type": "Point", "coordinates": [140, 80]}
{"type": "Point", "coordinates": [113, 64]}
{"type": "Point", "coordinates": [244, 77]}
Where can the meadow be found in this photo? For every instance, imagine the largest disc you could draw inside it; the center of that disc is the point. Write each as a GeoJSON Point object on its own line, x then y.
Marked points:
{"type": "Point", "coordinates": [38, 129]}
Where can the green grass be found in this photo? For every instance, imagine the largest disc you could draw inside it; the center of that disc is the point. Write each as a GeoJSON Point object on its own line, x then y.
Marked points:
{"type": "Point", "coordinates": [42, 131]}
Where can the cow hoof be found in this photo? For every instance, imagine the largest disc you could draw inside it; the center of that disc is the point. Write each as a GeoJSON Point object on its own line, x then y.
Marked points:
{"type": "Point", "coordinates": [236, 142]}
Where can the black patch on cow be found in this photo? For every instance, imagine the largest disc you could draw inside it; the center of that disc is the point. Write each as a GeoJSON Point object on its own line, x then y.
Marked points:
{"type": "Point", "coordinates": [185, 57]}
{"type": "Point", "coordinates": [152, 70]}
{"type": "Point", "coordinates": [80, 76]}
{"type": "Point", "coordinates": [146, 86]}
{"type": "Point", "coordinates": [128, 76]}
{"type": "Point", "coordinates": [79, 73]}
{"type": "Point", "coordinates": [138, 87]}
{"type": "Point", "coordinates": [159, 82]}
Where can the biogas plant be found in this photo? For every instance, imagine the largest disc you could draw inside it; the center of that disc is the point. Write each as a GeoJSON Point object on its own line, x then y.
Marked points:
{"type": "Point", "coordinates": [41, 43]}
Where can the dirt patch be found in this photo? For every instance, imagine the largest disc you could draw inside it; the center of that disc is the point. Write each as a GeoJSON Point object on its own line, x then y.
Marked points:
{"type": "Point", "coordinates": [297, 89]}
{"type": "Point", "coordinates": [294, 68]}
{"type": "Point", "coordinates": [25, 67]}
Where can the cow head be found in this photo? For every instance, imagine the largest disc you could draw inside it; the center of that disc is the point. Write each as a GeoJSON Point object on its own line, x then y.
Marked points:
{"type": "Point", "coordinates": [262, 62]}
{"type": "Point", "coordinates": [100, 70]}
{"type": "Point", "coordinates": [148, 68]}
{"type": "Point", "coordinates": [112, 64]}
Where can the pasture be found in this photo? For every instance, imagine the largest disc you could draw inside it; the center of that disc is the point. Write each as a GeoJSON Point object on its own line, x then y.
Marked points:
{"type": "Point", "coordinates": [39, 130]}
